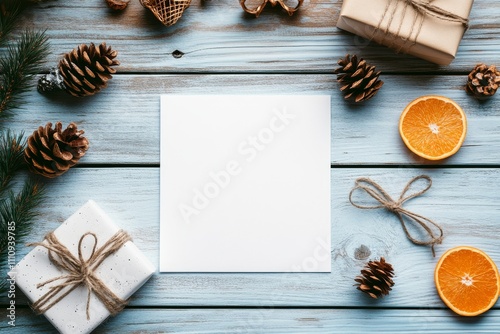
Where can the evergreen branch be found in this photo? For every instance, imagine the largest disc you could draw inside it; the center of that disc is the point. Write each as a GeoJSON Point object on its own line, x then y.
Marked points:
{"type": "Point", "coordinates": [20, 209]}
{"type": "Point", "coordinates": [20, 64]}
{"type": "Point", "coordinates": [9, 13]}
{"type": "Point", "coordinates": [11, 157]}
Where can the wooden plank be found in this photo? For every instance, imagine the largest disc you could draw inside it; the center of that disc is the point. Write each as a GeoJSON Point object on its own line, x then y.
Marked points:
{"type": "Point", "coordinates": [464, 201]}
{"type": "Point", "coordinates": [217, 36]}
{"type": "Point", "coordinates": [122, 122]}
{"type": "Point", "coordinates": [271, 321]}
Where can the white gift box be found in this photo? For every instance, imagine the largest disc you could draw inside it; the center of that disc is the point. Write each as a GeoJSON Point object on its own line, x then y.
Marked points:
{"type": "Point", "coordinates": [123, 272]}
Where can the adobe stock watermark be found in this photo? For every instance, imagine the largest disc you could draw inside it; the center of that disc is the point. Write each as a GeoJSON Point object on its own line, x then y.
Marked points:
{"type": "Point", "coordinates": [11, 281]}
{"type": "Point", "coordinates": [247, 151]}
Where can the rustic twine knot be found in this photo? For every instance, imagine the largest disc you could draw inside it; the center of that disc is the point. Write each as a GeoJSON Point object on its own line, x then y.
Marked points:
{"type": "Point", "coordinates": [378, 193]}
{"type": "Point", "coordinates": [80, 271]}
{"type": "Point", "coordinates": [422, 9]}
{"type": "Point", "coordinates": [426, 8]}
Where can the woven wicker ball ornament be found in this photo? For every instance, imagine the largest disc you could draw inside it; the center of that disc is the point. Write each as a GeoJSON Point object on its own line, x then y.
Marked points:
{"type": "Point", "coordinates": [167, 11]}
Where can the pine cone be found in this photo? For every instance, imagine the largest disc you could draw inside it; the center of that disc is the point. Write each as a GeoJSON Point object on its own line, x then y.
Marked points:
{"type": "Point", "coordinates": [83, 71]}
{"type": "Point", "coordinates": [376, 278]}
{"type": "Point", "coordinates": [117, 4]}
{"type": "Point", "coordinates": [358, 79]}
{"type": "Point", "coordinates": [51, 81]}
{"type": "Point", "coordinates": [483, 81]}
{"type": "Point", "coordinates": [51, 152]}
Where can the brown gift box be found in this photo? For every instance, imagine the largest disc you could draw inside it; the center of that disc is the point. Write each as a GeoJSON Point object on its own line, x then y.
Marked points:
{"type": "Point", "coordinates": [399, 24]}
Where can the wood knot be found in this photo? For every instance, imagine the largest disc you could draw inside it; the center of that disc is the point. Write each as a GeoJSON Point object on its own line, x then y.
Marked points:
{"type": "Point", "coordinates": [362, 253]}
{"type": "Point", "coordinates": [177, 54]}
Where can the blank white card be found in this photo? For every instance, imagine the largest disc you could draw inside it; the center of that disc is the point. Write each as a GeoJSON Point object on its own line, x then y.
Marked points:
{"type": "Point", "coordinates": [245, 183]}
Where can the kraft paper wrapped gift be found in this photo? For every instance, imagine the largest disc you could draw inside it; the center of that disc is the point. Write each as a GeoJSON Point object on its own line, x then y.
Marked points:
{"type": "Point", "coordinates": [122, 271]}
{"type": "Point", "coordinates": [428, 29]}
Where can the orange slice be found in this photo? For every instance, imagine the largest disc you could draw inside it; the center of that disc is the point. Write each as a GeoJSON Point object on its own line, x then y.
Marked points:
{"type": "Point", "coordinates": [467, 280]}
{"type": "Point", "coordinates": [433, 127]}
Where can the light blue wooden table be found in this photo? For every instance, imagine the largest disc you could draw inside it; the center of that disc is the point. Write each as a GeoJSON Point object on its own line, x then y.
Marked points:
{"type": "Point", "coordinates": [225, 51]}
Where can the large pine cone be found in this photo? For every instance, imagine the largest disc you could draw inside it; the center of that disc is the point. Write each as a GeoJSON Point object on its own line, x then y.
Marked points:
{"type": "Point", "coordinates": [358, 79]}
{"type": "Point", "coordinates": [376, 278]}
{"type": "Point", "coordinates": [87, 69]}
{"type": "Point", "coordinates": [483, 81]}
{"type": "Point", "coordinates": [51, 152]}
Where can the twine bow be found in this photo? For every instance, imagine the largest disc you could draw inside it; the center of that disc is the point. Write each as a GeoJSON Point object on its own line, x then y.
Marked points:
{"type": "Point", "coordinates": [422, 9]}
{"type": "Point", "coordinates": [386, 201]}
{"type": "Point", "coordinates": [80, 271]}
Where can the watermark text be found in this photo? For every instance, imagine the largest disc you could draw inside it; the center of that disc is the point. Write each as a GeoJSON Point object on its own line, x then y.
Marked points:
{"type": "Point", "coordinates": [11, 281]}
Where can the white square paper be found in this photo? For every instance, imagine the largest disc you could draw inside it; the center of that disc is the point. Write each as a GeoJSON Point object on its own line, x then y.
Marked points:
{"type": "Point", "coordinates": [245, 183]}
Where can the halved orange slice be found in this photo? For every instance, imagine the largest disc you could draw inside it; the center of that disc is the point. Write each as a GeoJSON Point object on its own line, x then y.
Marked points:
{"type": "Point", "coordinates": [467, 280]}
{"type": "Point", "coordinates": [433, 127]}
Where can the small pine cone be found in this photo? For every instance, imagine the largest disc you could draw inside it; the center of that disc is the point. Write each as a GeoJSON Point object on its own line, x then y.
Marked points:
{"type": "Point", "coordinates": [376, 278]}
{"type": "Point", "coordinates": [483, 81]}
{"type": "Point", "coordinates": [358, 79]}
{"type": "Point", "coordinates": [50, 82]}
{"type": "Point", "coordinates": [117, 4]}
{"type": "Point", "coordinates": [51, 152]}
{"type": "Point", "coordinates": [87, 69]}
{"type": "Point", "coordinates": [83, 71]}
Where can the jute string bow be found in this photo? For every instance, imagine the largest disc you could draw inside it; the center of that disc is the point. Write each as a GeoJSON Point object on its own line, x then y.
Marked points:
{"type": "Point", "coordinates": [80, 271]}
{"type": "Point", "coordinates": [422, 8]}
{"type": "Point", "coordinates": [386, 201]}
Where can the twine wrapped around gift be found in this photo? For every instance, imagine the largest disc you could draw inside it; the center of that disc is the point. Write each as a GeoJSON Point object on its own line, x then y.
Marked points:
{"type": "Point", "coordinates": [167, 11]}
{"type": "Point", "coordinates": [386, 201]}
{"type": "Point", "coordinates": [422, 8]}
{"type": "Point", "coordinates": [80, 271]}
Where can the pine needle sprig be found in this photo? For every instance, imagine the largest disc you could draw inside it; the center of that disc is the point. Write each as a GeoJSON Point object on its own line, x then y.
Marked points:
{"type": "Point", "coordinates": [21, 63]}
{"type": "Point", "coordinates": [18, 64]}
{"type": "Point", "coordinates": [11, 157]}
{"type": "Point", "coordinates": [20, 209]}
{"type": "Point", "coordinates": [9, 13]}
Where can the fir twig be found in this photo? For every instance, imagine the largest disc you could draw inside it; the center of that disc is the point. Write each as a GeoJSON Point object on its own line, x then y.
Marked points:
{"type": "Point", "coordinates": [20, 209]}
{"type": "Point", "coordinates": [9, 13]}
{"type": "Point", "coordinates": [20, 64]}
{"type": "Point", "coordinates": [11, 157]}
